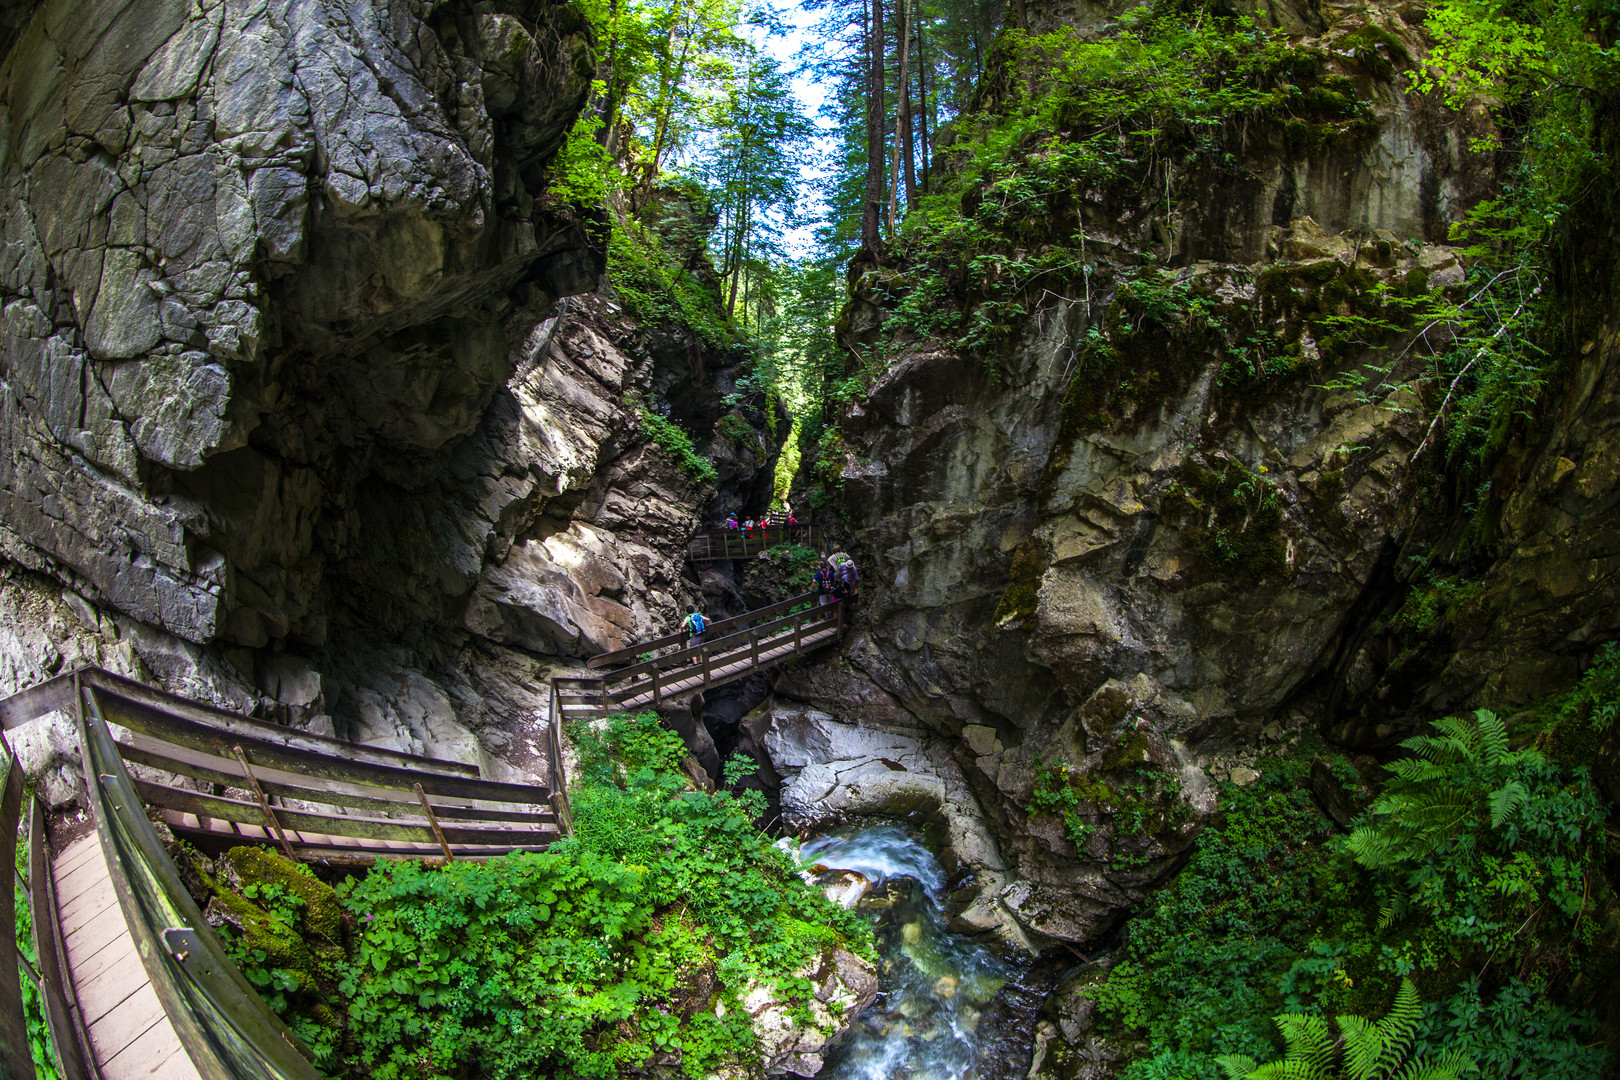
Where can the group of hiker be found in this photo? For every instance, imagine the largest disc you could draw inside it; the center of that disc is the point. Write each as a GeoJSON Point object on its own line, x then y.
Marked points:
{"type": "Point", "coordinates": [837, 578]}
{"type": "Point", "coordinates": [774, 519]}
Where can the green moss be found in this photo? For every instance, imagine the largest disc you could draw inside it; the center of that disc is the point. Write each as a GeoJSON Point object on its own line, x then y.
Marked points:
{"type": "Point", "coordinates": [267, 942]}
{"type": "Point", "coordinates": [736, 428]}
{"type": "Point", "coordinates": [1232, 518]}
{"type": "Point", "coordinates": [1021, 597]}
{"type": "Point", "coordinates": [322, 914]}
{"type": "Point", "coordinates": [678, 445]}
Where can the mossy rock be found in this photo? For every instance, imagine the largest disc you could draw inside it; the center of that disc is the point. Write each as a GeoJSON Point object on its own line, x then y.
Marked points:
{"type": "Point", "coordinates": [323, 915]}
{"type": "Point", "coordinates": [263, 933]}
{"type": "Point", "coordinates": [1021, 597]}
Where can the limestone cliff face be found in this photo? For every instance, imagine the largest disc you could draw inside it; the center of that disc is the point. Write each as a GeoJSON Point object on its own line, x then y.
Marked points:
{"type": "Point", "coordinates": [1069, 560]}
{"type": "Point", "coordinates": [292, 407]}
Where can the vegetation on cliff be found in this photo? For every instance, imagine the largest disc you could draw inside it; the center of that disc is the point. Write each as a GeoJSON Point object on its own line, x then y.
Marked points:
{"type": "Point", "coordinates": [628, 947]}
{"type": "Point", "coordinates": [1483, 874]}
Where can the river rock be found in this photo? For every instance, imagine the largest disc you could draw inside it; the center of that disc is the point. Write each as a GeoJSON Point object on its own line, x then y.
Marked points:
{"type": "Point", "coordinates": [845, 984]}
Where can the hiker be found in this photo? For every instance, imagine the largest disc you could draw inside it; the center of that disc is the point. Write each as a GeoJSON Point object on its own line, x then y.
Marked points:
{"type": "Point", "coordinates": [694, 625]}
{"type": "Point", "coordinates": [823, 585]}
{"type": "Point", "coordinates": [846, 581]}
{"type": "Point", "coordinates": [731, 522]}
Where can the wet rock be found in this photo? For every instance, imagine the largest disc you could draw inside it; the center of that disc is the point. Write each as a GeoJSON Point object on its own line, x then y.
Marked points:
{"type": "Point", "coordinates": [845, 984]}
{"type": "Point", "coordinates": [845, 888]}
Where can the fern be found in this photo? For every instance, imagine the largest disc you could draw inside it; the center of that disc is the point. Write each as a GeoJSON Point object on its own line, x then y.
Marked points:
{"type": "Point", "coordinates": [1463, 769]}
{"type": "Point", "coordinates": [1363, 1050]}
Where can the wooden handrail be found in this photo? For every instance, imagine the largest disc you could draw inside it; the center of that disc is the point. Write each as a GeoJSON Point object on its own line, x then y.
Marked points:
{"type": "Point", "coordinates": [224, 1025]}
{"type": "Point", "coordinates": [715, 544]}
{"type": "Point", "coordinates": [685, 656]}
{"type": "Point", "coordinates": [747, 617]}
{"type": "Point", "coordinates": [58, 694]}
{"type": "Point", "coordinates": [15, 1057]}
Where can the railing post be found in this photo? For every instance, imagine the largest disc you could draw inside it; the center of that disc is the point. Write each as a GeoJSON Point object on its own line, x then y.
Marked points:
{"type": "Point", "coordinates": [798, 629]}
{"type": "Point", "coordinates": [753, 647]}
{"type": "Point", "coordinates": [706, 665]}
{"type": "Point", "coordinates": [656, 697]}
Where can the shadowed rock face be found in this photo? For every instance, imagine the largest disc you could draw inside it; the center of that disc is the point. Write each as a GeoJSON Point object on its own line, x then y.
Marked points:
{"type": "Point", "coordinates": [255, 254]}
{"type": "Point", "coordinates": [306, 397]}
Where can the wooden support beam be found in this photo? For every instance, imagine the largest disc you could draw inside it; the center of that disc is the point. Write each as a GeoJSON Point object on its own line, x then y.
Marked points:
{"type": "Point", "coordinates": [433, 823]}
{"type": "Point", "coordinates": [264, 804]}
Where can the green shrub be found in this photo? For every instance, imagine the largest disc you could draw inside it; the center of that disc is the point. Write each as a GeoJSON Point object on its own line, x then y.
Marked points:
{"type": "Point", "coordinates": [609, 950]}
{"type": "Point", "coordinates": [678, 445]}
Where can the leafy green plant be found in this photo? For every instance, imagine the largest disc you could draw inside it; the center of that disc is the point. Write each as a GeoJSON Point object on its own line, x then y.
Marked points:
{"type": "Point", "coordinates": [631, 942]}
{"type": "Point", "coordinates": [678, 445]}
{"type": "Point", "coordinates": [1456, 777]}
{"type": "Point", "coordinates": [40, 1045]}
{"type": "Point", "coordinates": [1361, 1049]}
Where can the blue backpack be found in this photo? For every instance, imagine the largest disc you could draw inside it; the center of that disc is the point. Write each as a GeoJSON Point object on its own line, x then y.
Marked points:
{"type": "Point", "coordinates": [694, 623]}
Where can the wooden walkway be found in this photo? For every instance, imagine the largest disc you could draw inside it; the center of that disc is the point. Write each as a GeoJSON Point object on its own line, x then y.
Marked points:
{"type": "Point", "coordinates": [730, 649]}
{"type": "Point", "coordinates": [129, 1034]}
{"type": "Point", "coordinates": [718, 544]}
{"type": "Point", "coordinates": [134, 981]}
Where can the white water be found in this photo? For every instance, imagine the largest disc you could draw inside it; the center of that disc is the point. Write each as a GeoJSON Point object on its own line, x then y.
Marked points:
{"type": "Point", "coordinates": [934, 985]}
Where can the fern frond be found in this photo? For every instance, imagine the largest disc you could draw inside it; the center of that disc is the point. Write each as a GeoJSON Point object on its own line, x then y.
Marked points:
{"type": "Point", "coordinates": [1450, 1066]}
{"type": "Point", "coordinates": [1506, 799]}
{"type": "Point", "coordinates": [1493, 736]}
{"type": "Point", "coordinates": [1363, 1048]}
{"type": "Point", "coordinates": [1236, 1066]}
{"type": "Point", "coordinates": [1310, 1045]}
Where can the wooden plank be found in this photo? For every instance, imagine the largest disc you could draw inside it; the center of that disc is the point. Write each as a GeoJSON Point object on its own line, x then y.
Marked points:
{"type": "Point", "coordinates": [144, 750]}
{"type": "Point", "coordinates": [409, 830]}
{"type": "Point", "coordinates": [61, 1015]}
{"type": "Point", "coordinates": [779, 655]}
{"type": "Point", "coordinates": [52, 695]}
{"type": "Point", "coordinates": [355, 852]}
{"type": "Point", "coordinates": [154, 1055]}
{"type": "Point", "coordinates": [341, 791]}
{"type": "Point", "coordinates": [72, 885]}
{"type": "Point", "coordinates": [309, 764]}
{"type": "Point", "coordinates": [96, 929]}
{"type": "Point", "coordinates": [720, 627]}
{"type": "Point", "coordinates": [198, 985]}
{"type": "Point", "coordinates": [94, 897]}
{"type": "Point", "coordinates": [109, 981]}
{"type": "Point", "coordinates": [15, 1058]}
{"type": "Point", "coordinates": [134, 694]}
{"type": "Point", "coordinates": [111, 954]}
{"type": "Point", "coordinates": [135, 1014]}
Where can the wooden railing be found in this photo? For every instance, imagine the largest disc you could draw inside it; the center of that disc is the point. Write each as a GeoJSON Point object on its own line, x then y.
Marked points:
{"type": "Point", "coordinates": [412, 806]}
{"type": "Point", "coordinates": [224, 1025]}
{"type": "Point", "coordinates": [717, 544]}
{"type": "Point", "coordinates": [730, 650]}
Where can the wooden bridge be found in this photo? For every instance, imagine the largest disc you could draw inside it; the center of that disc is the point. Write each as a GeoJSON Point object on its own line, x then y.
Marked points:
{"type": "Point", "coordinates": [731, 649]}
{"type": "Point", "coordinates": [134, 981]}
{"type": "Point", "coordinates": [718, 544]}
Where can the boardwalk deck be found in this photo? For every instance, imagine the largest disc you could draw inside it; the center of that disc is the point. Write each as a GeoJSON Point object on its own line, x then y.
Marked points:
{"type": "Point", "coordinates": [717, 545]}
{"type": "Point", "coordinates": [136, 983]}
{"type": "Point", "coordinates": [733, 648]}
{"type": "Point", "coordinates": [130, 1036]}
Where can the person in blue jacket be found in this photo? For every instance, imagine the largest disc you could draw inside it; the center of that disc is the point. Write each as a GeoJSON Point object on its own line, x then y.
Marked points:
{"type": "Point", "coordinates": [694, 624]}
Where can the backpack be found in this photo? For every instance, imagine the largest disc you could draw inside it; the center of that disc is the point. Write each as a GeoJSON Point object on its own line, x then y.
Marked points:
{"type": "Point", "coordinates": [694, 623]}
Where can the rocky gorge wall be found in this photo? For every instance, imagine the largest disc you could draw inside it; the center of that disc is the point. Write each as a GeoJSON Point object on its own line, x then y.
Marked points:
{"type": "Point", "coordinates": [308, 401]}
{"type": "Point", "coordinates": [1123, 579]}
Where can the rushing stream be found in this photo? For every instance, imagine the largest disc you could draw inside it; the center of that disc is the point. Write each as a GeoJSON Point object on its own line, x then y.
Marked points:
{"type": "Point", "coordinates": [948, 1007]}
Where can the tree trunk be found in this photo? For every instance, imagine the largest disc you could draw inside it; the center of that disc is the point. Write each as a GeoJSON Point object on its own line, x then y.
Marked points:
{"type": "Point", "coordinates": [610, 98]}
{"type": "Point", "coordinates": [872, 206]}
{"type": "Point", "coordinates": [922, 115]}
{"type": "Point", "coordinates": [903, 119]}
